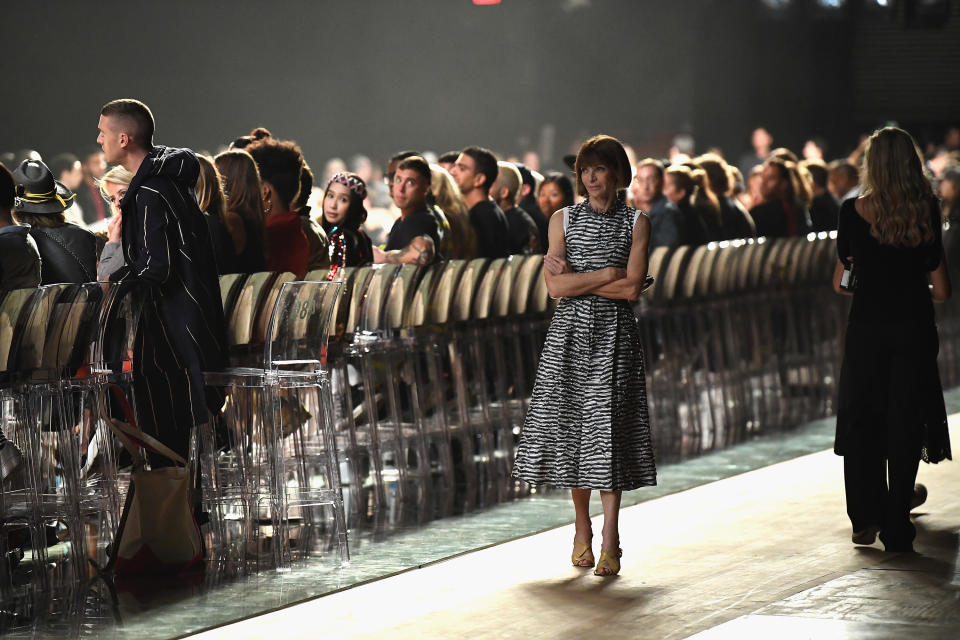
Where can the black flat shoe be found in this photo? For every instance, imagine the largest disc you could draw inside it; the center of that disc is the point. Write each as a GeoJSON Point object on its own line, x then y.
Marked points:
{"type": "Point", "coordinates": [866, 537]}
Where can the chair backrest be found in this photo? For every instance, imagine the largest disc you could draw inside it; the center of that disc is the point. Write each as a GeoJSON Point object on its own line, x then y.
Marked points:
{"type": "Point", "coordinates": [374, 296]}
{"type": "Point", "coordinates": [503, 288]}
{"type": "Point", "coordinates": [671, 284]}
{"type": "Point", "coordinates": [448, 282]}
{"type": "Point", "coordinates": [707, 268]}
{"type": "Point", "coordinates": [76, 335]}
{"type": "Point", "coordinates": [469, 279]}
{"type": "Point", "coordinates": [540, 296]}
{"type": "Point", "coordinates": [15, 310]}
{"type": "Point", "coordinates": [33, 342]}
{"type": "Point", "coordinates": [230, 285]}
{"type": "Point", "coordinates": [743, 266]}
{"type": "Point", "coordinates": [774, 270]}
{"type": "Point", "coordinates": [299, 326]}
{"type": "Point", "coordinates": [357, 285]}
{"type": "Point", "coordinates": [483, 299]}
{"type": "Point", "coordinates": [657, 261]}
{"type": "Point", "coordinates": [320, 275]}
{"type": "Point", "coordinates": [418, 310]}
{"type": "Point", "coordinates": [692, 272]}
{"type": "Point", "coordinates": [524, 284]}
{"type": "Point", "coordinates": [249, 301]}
{"type": "Point", "coordinates": [400, 296]}
{"type": "Point", "coordinates": [117, 327]}
{"type": "Point", "coordinates": [264, 313]}
{"type": "Point", "coordinates": [723, 272]}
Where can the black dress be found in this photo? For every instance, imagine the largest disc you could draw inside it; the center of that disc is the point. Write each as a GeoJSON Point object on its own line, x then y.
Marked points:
{"type": "Point", "coordinates": [252, 259]}
{"type": "Point", "coordinates": [891, 412]}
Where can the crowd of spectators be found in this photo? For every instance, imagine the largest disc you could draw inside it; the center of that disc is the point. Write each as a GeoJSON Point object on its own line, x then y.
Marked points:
{"type": "Point", "coordinates": [267, 210]}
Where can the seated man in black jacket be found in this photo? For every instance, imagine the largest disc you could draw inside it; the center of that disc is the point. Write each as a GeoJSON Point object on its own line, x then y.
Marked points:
{"type": "Point", "coordinates": [415, 236]}
{"type": "Point", "coordinates": [68, 253]}
{"type": "Point", "coordinates": [524, 234]}
{"type": "Point", "coordinates": [475, 172]}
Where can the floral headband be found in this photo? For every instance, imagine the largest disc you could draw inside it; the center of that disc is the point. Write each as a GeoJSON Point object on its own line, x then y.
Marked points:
{"type": "Point", "coordinates": [351, 182]}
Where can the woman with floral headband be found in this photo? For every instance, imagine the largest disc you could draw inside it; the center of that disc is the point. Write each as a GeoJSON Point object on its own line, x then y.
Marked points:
{"type": "Point", "coordinates": [343, 214]}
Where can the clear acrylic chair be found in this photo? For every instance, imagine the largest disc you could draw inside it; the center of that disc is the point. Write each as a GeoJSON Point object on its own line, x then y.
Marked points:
{"type": "Point", "coordinates": [282, 439]}
{"type": "Point", "coordinates": [19, 522]}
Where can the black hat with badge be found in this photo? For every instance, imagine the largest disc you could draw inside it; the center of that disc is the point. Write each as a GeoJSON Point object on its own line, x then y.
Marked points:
{"type": "Point", "coordinates": [38, 191]}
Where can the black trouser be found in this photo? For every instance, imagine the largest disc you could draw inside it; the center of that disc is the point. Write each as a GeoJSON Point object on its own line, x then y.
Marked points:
{"type": "Point", "coordinates": [871, 501]}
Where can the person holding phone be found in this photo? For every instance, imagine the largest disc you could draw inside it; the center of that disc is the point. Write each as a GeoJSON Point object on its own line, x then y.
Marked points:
{"type": "Point", "coordinates": [891, 411]}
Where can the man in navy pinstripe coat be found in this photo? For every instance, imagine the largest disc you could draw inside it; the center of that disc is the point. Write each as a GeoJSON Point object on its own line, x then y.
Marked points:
{"type": "Point", "coordinates": [169, 258]}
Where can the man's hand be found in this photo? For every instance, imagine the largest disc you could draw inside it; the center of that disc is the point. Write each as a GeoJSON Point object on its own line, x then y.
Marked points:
{"type": "Point", "coordinates": [420, 252]}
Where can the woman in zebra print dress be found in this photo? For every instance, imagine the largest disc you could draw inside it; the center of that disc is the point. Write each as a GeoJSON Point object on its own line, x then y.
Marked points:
{"type": "Point", "coordinates": [587, 425]}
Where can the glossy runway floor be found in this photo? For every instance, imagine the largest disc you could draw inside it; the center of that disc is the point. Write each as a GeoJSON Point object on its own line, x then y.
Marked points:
{"type": "Point", "coordinates": [763, 554]}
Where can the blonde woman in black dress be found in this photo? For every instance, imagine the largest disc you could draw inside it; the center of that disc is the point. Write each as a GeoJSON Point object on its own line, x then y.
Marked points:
{"type": "Point", "coordinates": [891, 411]}
{"type": "Point", "coordinates": [587, 426]}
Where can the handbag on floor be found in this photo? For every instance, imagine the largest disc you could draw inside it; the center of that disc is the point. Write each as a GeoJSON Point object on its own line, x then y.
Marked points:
{"type": "Point", "coordinates": [157, 530]}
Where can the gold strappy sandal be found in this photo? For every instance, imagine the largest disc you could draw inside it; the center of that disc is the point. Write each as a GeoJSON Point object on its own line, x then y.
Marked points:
{"type": "Point", "coordinates": [582, 554]}
{"type": "Point", "coordinates": [609, 562]}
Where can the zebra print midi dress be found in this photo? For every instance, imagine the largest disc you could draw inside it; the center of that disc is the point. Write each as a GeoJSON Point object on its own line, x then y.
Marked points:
{"type": "Point", "coordinates": [587, 425]}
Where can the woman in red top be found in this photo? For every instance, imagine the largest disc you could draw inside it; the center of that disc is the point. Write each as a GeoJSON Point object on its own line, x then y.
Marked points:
{"type": "Point", "coordinates": [280, 163]}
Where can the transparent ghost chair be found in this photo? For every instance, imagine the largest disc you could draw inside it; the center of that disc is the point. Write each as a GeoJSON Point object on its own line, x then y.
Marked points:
{"type": "Point", "coordinates": [282, 438]}
{"type": "Point", "coordinates": [19, 522]}
{"type": "Point", "coordinates": [390, 390]}
{"type": "Point", "coordinates": [483, 362]}
{"type": "Point", "coordinates": [465, 411]}
{"type": "Point", "coordinates": [511, 292]}
{"type": "Point", "coordinates": [44, 430]}
{"type": "Point", "coordinates": [450, 440]}
{"type": "Point", "coordinates": [362, 473]}
{"type": "Point", "coordinates": [421, 390]}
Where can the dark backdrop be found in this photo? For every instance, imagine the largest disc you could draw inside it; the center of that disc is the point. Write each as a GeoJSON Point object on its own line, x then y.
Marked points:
{"type": "Point", "coordinates": [344, 77]}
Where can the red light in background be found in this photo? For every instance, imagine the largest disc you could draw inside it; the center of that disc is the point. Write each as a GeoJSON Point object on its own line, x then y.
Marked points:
{"type": "Point", "coordinates": [481, 3]}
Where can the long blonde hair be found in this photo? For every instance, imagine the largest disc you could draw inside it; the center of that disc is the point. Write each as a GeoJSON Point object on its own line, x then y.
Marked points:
{"type": "Point", "coordinates": [898, 189]}
{"type": "Point", "coordinates": [447, 195]}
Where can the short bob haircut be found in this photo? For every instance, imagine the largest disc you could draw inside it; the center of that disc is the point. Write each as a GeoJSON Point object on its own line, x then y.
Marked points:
{"type": "Point", "coordinates": [603, 151]}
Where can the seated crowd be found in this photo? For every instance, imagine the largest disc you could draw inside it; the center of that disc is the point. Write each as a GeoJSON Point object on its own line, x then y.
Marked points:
{"type": "Point", "coordinates": [62, 222]}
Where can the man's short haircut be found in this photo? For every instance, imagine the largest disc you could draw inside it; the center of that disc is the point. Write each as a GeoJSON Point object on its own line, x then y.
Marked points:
{"type": "Point", "coordinates": [403, 155]}
{"type": "Point", "coordinates": [845, 167]}
{"type": "Point", "coordinates": [603, 151]}
{"type": "Point", "coordinates": [652, 162]}
{"type": "Point", "coordinates": [136, 120]}
{"type": "Point", "coordinates": [508, 177]}
{"type": "Point", "coordinates": [486, 164]}
{"type": "Point", "coordinates": [8, 192]}
{"type": "Point", "coordinates": [418, 164]}
{"type": "Point", "coordinates": [818, 171]}
{"type": "Point", "coordinates": [62, 162]}
{"type": "Point", "coordinates": [448, 158]}
{"type": "Point", "coordinates": [280, 163]}
{"type": "Point", "coordinates": [526, 175]}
